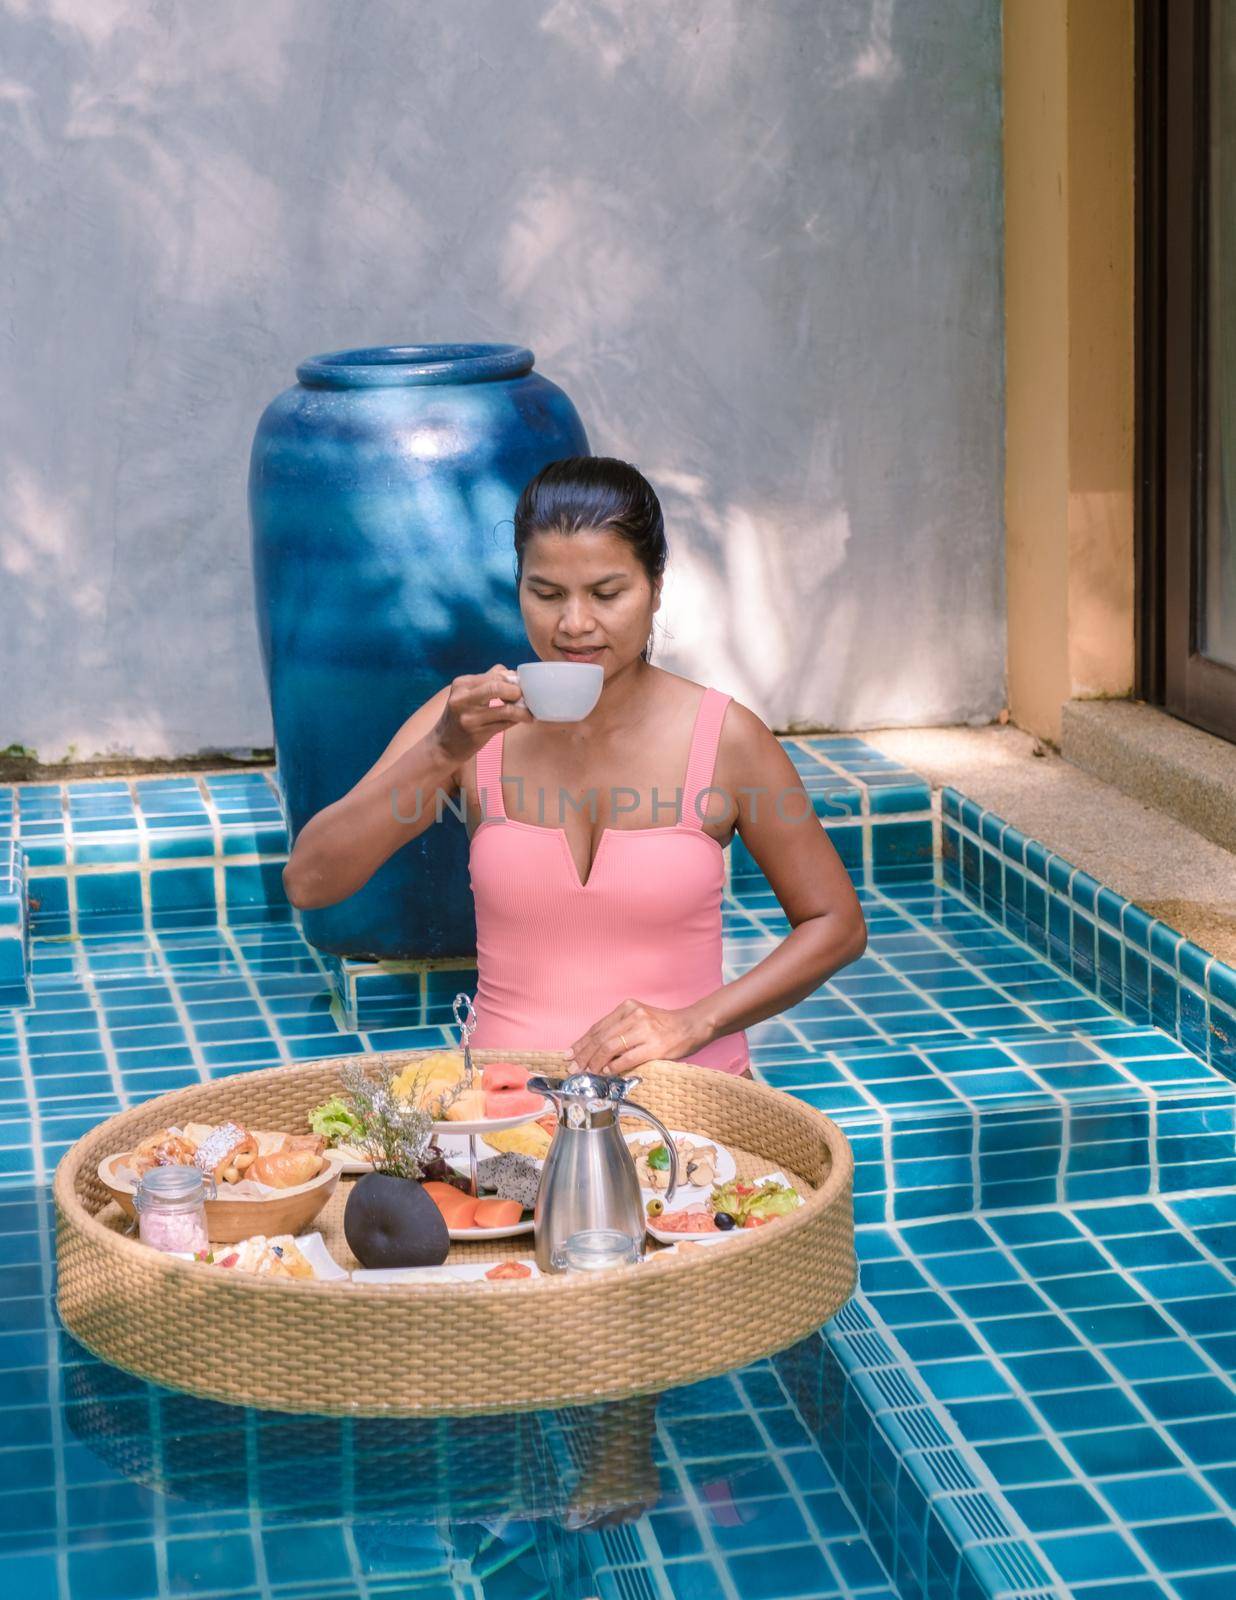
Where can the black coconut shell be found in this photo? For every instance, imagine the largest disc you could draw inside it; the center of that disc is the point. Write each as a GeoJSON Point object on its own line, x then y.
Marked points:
{"type": "Point", "coordinates": [392, 1222]}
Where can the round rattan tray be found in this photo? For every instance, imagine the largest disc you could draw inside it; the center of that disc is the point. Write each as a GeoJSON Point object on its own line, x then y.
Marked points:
{"type": "Point", "coordinates": [457, 1349]}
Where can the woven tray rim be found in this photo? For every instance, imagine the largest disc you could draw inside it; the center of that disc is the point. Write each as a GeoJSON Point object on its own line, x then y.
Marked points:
{"type": "Point", "coordinates": [68, 1201]}
{"type": "Point", "coordinates": [78, 1224]}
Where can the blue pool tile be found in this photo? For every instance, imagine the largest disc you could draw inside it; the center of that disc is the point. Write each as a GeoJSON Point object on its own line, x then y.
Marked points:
{"type": "Point", "coordinates": [1041, 1102]}
{"type": "Point", "coordinates": [1055, 1507]}
{"type": "Point", "coordinates": [1078, 1556]}
{"type": "Point", "coordinates": [1190, 1544]}
{"type": "Point", "coordinates": [1057, 1369]}
{"type": "Point", "coordinates": [113, 1572]}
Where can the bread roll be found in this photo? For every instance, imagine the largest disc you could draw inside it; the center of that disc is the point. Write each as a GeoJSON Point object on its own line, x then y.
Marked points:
{"type": "Point", "coordinates": [285, 1169]}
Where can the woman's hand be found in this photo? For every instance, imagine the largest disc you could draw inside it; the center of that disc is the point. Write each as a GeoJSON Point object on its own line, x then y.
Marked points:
{"type": "Point", "coordinates": [633, 1033]}
{"type": "Point", "coordinates": [477, 706]}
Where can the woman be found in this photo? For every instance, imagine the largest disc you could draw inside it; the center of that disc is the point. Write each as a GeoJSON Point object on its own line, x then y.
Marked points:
{"type": "Point", "coordinates": [599, 913]}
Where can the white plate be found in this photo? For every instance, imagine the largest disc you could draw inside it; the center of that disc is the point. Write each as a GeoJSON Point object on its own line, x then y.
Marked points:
{"type": "Point", "coordinates": [460, 1272]}
{"type": "Point", "coordinates": [456, 1150]}
{"type": "Point", "coordinates": [727, 1167]}
{"type": "Point", "coordinates": [493, 1124]}
{"type": "Point", "coordinates": [662, 1236]}
{"type": "Point", "coordinates": [311, 1245]}
{"type": "Point", "coordinates": [354, 1160]}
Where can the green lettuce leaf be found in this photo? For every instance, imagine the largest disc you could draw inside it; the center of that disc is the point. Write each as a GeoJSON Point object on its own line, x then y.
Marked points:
{"type": "Point", "coordinates": [333, 1120]}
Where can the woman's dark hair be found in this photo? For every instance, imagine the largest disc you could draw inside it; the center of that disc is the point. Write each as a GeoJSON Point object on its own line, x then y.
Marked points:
{"type": "Point", "coordinates": [581, 492]}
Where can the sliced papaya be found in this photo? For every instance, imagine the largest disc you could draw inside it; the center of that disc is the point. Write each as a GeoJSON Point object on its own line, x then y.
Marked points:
{"type": "Point", "coordinates": [463, 1214]}
{"type": "Point", "coordinates": [497, 1213]}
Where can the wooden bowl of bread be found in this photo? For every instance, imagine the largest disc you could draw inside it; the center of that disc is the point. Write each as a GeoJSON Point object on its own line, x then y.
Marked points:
{"type": "Point", "coordinates": [264, 1182]}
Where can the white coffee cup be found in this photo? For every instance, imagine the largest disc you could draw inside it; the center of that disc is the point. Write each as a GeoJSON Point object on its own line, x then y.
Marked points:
{"type": "Point", "coordinates": [561, 691]}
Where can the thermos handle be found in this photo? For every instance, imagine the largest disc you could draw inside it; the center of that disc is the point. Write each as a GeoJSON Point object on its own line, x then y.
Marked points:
{"type": "Point", "coordinates": [639, 1111]}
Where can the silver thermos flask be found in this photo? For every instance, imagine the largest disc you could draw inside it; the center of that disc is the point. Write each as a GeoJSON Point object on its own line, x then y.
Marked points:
{"type": "Point", "coordinates": [589, 1179]}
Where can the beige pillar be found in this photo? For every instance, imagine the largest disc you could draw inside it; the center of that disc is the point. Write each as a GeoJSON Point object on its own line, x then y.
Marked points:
{"type": "Point", "coordinates": [1068, 184]}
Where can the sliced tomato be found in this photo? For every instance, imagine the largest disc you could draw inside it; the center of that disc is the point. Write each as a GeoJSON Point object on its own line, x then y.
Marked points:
{"type": "Point", "coordinates": [509, 1269]}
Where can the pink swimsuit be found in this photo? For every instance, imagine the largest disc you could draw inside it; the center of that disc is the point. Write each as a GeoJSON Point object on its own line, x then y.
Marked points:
{"type": "Point", "coordinates": [555, 955]}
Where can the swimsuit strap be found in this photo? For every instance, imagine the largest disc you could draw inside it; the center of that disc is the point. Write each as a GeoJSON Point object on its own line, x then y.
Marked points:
{"type": "Point", "coordinates": [489, 779]}
{"type": "Point", "coordinates": [702, 761]}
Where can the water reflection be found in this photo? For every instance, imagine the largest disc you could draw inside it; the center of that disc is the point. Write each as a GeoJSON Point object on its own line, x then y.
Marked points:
{"type": "Point", "coordinates": [508, 1506]}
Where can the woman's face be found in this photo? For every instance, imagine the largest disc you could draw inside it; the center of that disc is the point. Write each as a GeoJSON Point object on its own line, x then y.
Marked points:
{"type": "Point", "coordinates": [585, 597]}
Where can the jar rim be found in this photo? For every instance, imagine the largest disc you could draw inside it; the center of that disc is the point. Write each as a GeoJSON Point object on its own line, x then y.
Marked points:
{"type": "Point", "coordinates": [171, 1183]}
{"type": "Point", "coordinates": [399, 366]}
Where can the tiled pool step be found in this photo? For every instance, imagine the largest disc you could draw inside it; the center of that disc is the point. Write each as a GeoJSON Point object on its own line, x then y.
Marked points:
{"type": "Point", "coordinates": [1112, 948]}
{"type": "Point", "coordinates": [144, 854]}
{"type": "Point", "coordinates": [1086, 1354]}
{"type": "Point", "coordinates": [121, 1017]}
{"type": "Point", "coordinates": [114, 1489]}
{"type": "Point", "coordinates": [979, 1085]}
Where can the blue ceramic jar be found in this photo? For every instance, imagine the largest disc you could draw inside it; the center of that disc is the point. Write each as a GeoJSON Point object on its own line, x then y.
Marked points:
{"type": "Point", "coordinates": [380, 492]}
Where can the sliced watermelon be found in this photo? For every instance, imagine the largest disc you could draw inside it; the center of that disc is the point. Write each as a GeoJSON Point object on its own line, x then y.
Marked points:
{"type": "Point", "coordinates": [503, 1075]}
{"type": "Point", "coordinates": [513, 1103]}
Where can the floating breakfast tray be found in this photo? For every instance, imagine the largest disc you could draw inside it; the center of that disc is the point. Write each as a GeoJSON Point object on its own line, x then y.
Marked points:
{"type": "Point", "coordinates": [457, 1349]}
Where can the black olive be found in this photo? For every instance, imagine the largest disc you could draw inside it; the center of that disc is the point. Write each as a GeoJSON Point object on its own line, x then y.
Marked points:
{"type": "Point", "coordinates": [724, 1221]}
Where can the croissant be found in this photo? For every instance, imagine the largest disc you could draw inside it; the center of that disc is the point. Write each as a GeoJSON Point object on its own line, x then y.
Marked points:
{"type": "Point", "coordinates": [285, 1168]}
{"type": "Point", "coordinates": [226, 1152]}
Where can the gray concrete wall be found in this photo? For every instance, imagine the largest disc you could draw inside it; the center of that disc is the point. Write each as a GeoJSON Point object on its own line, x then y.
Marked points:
{"type": "Point", "coordinates": [759, 245]}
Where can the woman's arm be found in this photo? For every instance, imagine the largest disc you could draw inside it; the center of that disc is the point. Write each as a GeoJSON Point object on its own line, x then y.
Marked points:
{"type": "Point", "coordinates": [779, 827]}
{"type": "Point", "coordinates": [403, 793]}
{"type": "Point", "coordinates": [341, 847]}
{"type": "Point", "coordinates": [764, 796]}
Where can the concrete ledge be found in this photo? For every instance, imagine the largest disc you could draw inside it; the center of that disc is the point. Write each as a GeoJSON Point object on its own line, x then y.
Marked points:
{"type": "Point", "coordinates": [1160, 864]}
{"type": "Point", "coordinates": [1152, 756]}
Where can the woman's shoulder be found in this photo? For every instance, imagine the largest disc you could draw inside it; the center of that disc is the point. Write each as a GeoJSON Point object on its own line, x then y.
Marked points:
{"type": "Point", "coordinates": [744, 742]}
{"type": "Point", "coordinates": [736, 712]}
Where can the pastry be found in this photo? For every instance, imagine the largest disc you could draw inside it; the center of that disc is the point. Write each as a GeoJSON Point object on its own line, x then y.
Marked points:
{"type": "Point", "coordinates": [278, 1257]}
{"type": "Point", "coordinates": [170, 1147]}
{"type": "Point", "coordinates": [226, 1153]}
{"type": "Point", "coordinates": [285, 1169]}
{"type": "Point", "coordinates": [303, 1141]}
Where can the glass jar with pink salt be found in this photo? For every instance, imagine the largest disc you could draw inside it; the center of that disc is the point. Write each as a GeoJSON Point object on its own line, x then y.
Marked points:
{"type": "Point", "coordinates": [171, 1209]}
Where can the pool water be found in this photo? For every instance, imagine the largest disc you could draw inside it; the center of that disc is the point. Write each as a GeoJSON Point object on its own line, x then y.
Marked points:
{"type": "Point", "coordinates": [1032, 1393]}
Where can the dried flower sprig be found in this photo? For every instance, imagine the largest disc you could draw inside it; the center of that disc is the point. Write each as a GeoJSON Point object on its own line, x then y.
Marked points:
{"type": "Point", "coordinates": [394, 1132]}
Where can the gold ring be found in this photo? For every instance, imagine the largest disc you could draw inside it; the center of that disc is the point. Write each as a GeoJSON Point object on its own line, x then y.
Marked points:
{"type": "Point", "coordinates": [625, 1045]}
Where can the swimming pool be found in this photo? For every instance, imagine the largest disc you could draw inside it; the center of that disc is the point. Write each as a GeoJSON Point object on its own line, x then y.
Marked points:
{"type": "Point", "coordinates": [1031, 1394]}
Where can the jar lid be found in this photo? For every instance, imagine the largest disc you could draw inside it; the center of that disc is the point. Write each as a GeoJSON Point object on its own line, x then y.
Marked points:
{"type": "Point", "coordinates": [171, 1183]}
